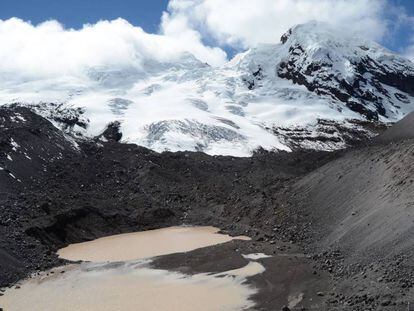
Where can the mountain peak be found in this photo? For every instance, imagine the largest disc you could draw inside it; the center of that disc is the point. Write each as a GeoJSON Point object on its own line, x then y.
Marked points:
{"type": "Point", "coordinates": [368, 78]}
{"type": "Point", "coordinates": [324, 34]}
{"type": "Point", "coordinates": [317, 89]}
{"type": "Point", "coordinates": [315, 30]}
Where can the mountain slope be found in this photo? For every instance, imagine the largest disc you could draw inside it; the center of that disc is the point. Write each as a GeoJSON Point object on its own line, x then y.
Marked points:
{"type": "Point", "coordinates": [317, 89]}
{"type": "Point", "coordinates": [401, 130]}
{"type": "Point", "coordinates": [55, 192]}
{"type": "Point", "coordinates": [351, 210]}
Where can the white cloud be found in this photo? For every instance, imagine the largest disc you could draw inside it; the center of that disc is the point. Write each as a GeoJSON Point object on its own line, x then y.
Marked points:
{"type": "Point", "coordinates": [48, 49]}
{"type": "Point", "coordinates": [244, 23]}
{"type": "Point", "coordinates": [178, 28]}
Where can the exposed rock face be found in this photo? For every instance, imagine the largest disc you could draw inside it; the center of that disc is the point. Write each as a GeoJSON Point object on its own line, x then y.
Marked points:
{"type": "Point", "coordinates": [70, 119]}
{"type": "Point", "coordinates": [112, 132]}
{"type": "Point", "coordinates": [328, 135]}
{"type": "Point", "coordinates": [369, 79]}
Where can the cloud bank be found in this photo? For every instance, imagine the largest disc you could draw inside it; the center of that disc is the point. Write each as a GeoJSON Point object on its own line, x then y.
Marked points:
{"type": "Point", "coordinates": [245, 23]}
{"type": "Point", "coordinates": [48, 49]}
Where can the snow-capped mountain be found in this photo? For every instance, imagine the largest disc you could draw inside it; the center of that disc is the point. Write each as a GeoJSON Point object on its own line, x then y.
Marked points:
{"type": "Point", "coordinates": [367, 78]}
{"type": "Point", "coordinates": [317, 88]}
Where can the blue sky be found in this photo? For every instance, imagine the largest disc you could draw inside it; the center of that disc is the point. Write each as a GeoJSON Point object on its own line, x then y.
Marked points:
{"type": "Point", "coordinates": [143, 13]}
{"type": "Point", "coordinates": [403, 37]}
{"type": "Point", "coordinates": [75, 13]}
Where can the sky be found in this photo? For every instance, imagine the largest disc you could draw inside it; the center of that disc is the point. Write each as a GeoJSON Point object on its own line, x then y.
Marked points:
{"type": "Point", "coordinates": [212, 30]}
{"type": "Point", "coordinates": [76, 13]}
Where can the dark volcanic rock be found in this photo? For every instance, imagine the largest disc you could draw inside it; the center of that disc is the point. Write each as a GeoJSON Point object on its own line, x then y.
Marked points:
{"type": "Point", "coordinates": [349, 210]}
{"type": "Point", "coordinates": [399, 131]}
{"type": "Point", "coordinates": [58, 191]}
{"type": "Point", "coordinates": [112, 132]}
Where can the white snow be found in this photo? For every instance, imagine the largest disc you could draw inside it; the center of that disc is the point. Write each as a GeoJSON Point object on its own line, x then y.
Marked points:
{"type": "Point", "coordinates": [15, 145]}
{"type": "Point", "coordinates": [188, 105]}
{"type": "Point", "coordinates": [17, 118]}
{"type": "Point", "coordinates": [256, 256]}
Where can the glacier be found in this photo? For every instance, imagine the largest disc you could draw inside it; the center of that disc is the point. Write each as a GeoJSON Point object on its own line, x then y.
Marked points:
{"type": "Point", "coordinates": [311, 90]}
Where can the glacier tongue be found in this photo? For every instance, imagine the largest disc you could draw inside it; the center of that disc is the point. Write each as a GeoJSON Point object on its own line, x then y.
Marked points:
{"type": "Point", "coordinates": [314, 90]}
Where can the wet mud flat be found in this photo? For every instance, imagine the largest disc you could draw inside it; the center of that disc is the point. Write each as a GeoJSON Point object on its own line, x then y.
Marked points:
{"type": "Point", "coordinates": [288, 280]}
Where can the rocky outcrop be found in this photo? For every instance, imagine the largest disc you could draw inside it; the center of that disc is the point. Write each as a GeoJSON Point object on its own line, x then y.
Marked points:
{"type": "Point", "coordinates": [366, 77]}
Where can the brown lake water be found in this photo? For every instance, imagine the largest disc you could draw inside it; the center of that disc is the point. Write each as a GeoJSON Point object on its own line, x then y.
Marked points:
{"type": "Point", "coordinates": [118, 279]}
{"type": "Point", "coordinates": [146, 244]}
